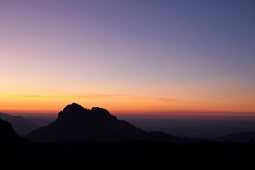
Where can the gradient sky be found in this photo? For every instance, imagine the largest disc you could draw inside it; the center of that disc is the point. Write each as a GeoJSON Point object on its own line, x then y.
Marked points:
{"type": "Point", "coordinates": [129, 56]}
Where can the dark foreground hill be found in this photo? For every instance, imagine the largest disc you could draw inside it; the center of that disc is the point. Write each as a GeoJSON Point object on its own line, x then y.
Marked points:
{"type": "Point", "coordinates": [18, 152]}
{"type": "Point", "coordinates": [96, 138]}
{"type": "Point", "coordinates": [7, 133]}
{"type": "Point", "coordinates": [10, 141]}
{"type": "Point", "coordinates": [21, 125]}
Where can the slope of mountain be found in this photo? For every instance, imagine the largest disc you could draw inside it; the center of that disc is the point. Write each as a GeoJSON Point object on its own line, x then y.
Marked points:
{"type": "Point", "coordinates": [242, 137]}
{"type": "Point", "coordinates": [21, 125]}
{"type": "Point", "coordinates": [76, 123]}
{"type": "Point", "coordinates": [40, 121]}
{"type": "Point", "coordinates": [17, 151]}
{"type": "Point", "coordinates": [7, 133]}
{"type": "Point", "coordinates": [9, 141]}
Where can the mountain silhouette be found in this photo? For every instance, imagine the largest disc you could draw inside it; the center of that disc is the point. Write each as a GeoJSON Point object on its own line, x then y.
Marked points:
{"type": "Point", "coordinates": [21, 125]}
{"type": "Point", "coordinates": [76, 123]}
{"type": "Point", "coordinates": [9, 142]}
{"type": "Point", "coordinates": [241, 137]}
{"type": "Point", "coordinates": [16, 150]}
{"type": "Point", "coordinates": [7, 133]}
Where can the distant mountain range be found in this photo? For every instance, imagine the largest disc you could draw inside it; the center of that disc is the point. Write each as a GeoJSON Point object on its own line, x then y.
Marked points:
{"type": "Point", "coordinates": [78, 124]}
{"type": "Point", "coordinates": [85, 137]}
{"type": "Point", "coordinates": [241, 137]}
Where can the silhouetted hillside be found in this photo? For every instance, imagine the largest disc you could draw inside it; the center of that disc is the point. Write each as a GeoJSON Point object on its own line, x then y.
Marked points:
{"type": "Point", "coordinates": [242, 137]}
{"type": "Point", "coordinates": [9, 141]}
{"type": "Point", "coordinates": [21, 125]}
{"type": "Point", "coordinates": [40, 121]}
{"type": "Point", "coordinates": [17, 151]}
{"type": "Point", "coordinates": [93, 137]}
{"type": "Point", "coordinates": [7, 133]}
{"type": "Point", "coordinates": [76, 123]}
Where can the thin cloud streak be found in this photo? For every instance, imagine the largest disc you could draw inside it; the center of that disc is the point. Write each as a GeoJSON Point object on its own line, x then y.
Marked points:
{"type": "Point", "coordinates": [98, 96]}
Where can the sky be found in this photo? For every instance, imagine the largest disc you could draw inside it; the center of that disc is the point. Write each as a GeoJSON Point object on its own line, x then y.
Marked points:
{"type": "Point", "coordinates": [128, 56]}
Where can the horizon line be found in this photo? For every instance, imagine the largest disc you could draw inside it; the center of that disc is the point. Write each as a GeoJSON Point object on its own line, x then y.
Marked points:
{"type": "Point", "coordinates": [147, 114]}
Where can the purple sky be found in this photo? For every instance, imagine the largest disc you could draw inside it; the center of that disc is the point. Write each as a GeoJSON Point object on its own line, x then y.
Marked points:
{"type": "Point", "coordinates": [198, 52]}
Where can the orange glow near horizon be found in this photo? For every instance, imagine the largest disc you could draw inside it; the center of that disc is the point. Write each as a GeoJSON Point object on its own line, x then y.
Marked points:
{"type": "Point", "coordinates": [121, 104]}
{"type": "Point", "coordinates": [35, 100]}
{"type": "Point", "coordinates": [124, 57]}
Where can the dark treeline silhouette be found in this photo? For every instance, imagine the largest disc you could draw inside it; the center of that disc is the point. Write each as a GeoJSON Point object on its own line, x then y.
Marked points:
{"type": "Point", "coordinates": [85, 138]}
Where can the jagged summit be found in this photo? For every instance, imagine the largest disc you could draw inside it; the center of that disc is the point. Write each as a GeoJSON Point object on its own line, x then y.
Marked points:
{"type": "Point", "coordinates": [74, 107]}
{"type": "Point", "coordinates": [74, 110]}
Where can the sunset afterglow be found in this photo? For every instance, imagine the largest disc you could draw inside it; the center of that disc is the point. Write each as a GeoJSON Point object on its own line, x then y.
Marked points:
{"type": "Point", "coordinates": [131, 58]}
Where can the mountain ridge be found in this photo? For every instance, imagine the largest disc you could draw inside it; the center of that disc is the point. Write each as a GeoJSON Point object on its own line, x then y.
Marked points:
{"type": "Point", "coordinates": [75, 123]}
{"type": "Point", "coordinates": [21, 125]}
{"type": "Point", "coordinates": [240, 137]}
{"type": "Point", "coordinates": [78, 124]}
